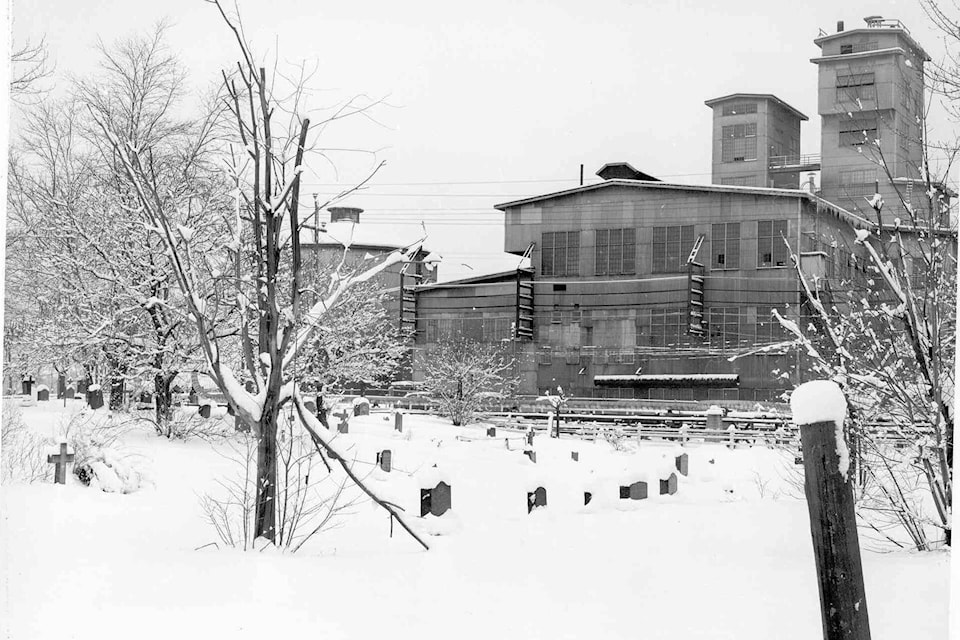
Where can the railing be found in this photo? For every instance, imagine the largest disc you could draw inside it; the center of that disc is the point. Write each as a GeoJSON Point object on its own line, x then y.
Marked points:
{"type": "Point", "coordinates": [777, 162]}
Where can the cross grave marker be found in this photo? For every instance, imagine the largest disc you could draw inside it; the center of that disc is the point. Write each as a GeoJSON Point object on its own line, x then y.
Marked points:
{"type": "Point", "coordinates": [61, 460]}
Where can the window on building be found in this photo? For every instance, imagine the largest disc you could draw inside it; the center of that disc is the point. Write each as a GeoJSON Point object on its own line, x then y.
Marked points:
{"type": "Point", "coordinates": [667, 327]}
{"type": "Point", "coordinates": [769, 328]}
{"type": "Point", "coordinates": [724, 327]}
{"type": "Point", "coordinates": [854, 87]}
{"type": "Point", "coordinates": [857, 131]}
{"type": "Point", "coordinates": [771, 250]}
{"type": "Point", "coordinates": [739, 181]}
{"type": "Point", "coordinates": [739, 108]}
{"type": "Point", "coordinates": [857, 47]}
{"type": "Point", "coordinates": [671, 246]}
{"type": "Point", "coordinates": [560, 253]}
{"type": "Point", "coordinates": [739, 143]}
{"type": "Point", "coordinates": [725, 242]}
{"type": "Point", "coordinates": [616, 251]}
{"type": "Point", "coordinates": [858, 182]}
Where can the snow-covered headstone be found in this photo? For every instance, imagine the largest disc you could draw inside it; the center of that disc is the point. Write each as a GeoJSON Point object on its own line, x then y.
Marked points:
{"type": "Point", "coordinates": [683, 464]}
{"type": "Point", "coordinates": [361, 406]}
{"type": "Point", "coordinates": [43, 393]}
{"type": "Point", "coordinates": [635, 491]}
{"type": "Point", "coordinates": [668, 485]}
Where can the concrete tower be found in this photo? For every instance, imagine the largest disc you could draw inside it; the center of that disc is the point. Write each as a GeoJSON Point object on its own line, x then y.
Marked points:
{"type": "Point", "coordinates": [870, 99]}
{"type": "Point", "coordinates": [756, 141]}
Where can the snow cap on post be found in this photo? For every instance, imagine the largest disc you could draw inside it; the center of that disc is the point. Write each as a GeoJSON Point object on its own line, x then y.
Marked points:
{"type": "Point", "coordinates": [818, 401]}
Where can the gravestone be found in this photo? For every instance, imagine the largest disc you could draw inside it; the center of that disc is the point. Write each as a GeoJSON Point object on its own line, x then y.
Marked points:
{"type": "Point", "coordinates": [587, 497]}
{"type": "Point", "coordinates": [192, 398]}
{"type": "Point", "coordinates": [435, 501]}
{"type": "Point", "coordinates": [385, 460]}
{"type": "Point", "coordinates": [575, 456]}
{"type": "Point", "coordinates": [530, 454]}
{"type": "Point", "coordinates": [310, 406]}
{"type": "Point", "coordinates": [95, 398]}
{"type": "Point", "coordinates": [43, 394]}
{"type": "Point", "coordinates": [205, 410]}
{"type": "Point", "coordinates": [344, 425]}
{"type": "Point", "coordinates": [682, 462]}
{"type": "Point", "coordinates": [491, 432]}
{"type": "Point", "coordinates": [82, 387]}
{"type": "Point", "coordinates": [361, 409]}
{"type": "Point", "coordinates": [398, 421]}
{"type": "Point", "coordinates": [70, 393]}
{"type": "Point", "coordinates": [536, 499]}
{"type": "Point", "coordinates": [530, 437]}
{"type": "Point", "coordinates": [61, 459]}
{"type": "Point", "coordinates": [61, 385]}
{"type": "Point", "coordinates": [28, 385]}
{"type": "Point", "coordinates": [669, 486]}
{"type": "Point", "coordinates": [635, 491]}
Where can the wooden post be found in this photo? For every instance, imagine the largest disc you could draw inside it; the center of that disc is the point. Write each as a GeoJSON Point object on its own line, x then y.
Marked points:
{"type": "Point", "coordinates": [833, 526]}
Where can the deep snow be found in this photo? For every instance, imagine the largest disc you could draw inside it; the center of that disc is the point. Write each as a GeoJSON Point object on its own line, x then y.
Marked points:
{"type": "Point", "coordinates": [729, 556]}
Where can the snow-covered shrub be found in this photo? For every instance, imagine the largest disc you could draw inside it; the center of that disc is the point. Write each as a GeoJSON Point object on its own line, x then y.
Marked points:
{"type": "Point", "coordinates": [309, 499]}
{"type": "Point", "coordinates": [23, 453]}
{"type": "Point", "coordinates": [100, 460]}
{"type": "Point", "coordinates": [184, 425]}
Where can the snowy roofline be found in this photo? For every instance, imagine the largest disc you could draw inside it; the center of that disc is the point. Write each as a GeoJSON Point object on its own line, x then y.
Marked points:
{"type": "Point", "coordinates": [756, 96]}
{"type": "Point", "coordinates": [647, 379]}
{"type": "Point", "coordinates": [481, 279]}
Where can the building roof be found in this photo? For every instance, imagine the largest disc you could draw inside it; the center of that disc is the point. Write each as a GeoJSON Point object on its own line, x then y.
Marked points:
{"type": "Point", "coordinates": [364, 235]}
{"type": "Point", "coordinates": [756, 96]}
{"type": "Point", "coordinates": [821, 204]}
{"type": "Point", "coordinates": [623, 171]}
{"type": "Point", "coordinates": [500, 276]}
{"type": "Point", "coordinates": [871, 30]}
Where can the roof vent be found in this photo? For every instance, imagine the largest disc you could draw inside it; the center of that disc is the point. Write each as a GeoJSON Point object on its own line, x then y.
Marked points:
{"type": "Point", "coordinates": [623, 171]}
{"type": "Point", "coordinates": [839, 26]}
{"type": "Point", "coordinates": [351, 214]}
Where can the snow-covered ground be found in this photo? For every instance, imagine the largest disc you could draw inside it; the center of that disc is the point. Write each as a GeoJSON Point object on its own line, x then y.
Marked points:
{"type": "Point", "coordinates": [728, 556]}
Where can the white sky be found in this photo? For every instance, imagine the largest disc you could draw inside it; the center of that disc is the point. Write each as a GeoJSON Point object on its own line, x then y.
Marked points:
{"type": "Point", "coordinates": [512, 95]}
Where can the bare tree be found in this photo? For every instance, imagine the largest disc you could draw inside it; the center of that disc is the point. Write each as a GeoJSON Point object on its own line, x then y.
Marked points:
{"type": "Point", "coordinates": [462, 373]}
{"type": "Point", "coordinates": [945, 73]}
{"type": "Point", "coordinates": [29, 67]}
{"type": "Point", "coordinates": [265, 284]}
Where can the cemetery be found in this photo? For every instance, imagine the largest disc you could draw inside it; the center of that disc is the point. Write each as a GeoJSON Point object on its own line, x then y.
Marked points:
{"type": "Point", "coordinates": [517, 522]}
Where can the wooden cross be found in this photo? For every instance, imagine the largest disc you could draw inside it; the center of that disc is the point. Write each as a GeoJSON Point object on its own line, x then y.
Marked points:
{"type": "Point", "coordinates": [61, 459]}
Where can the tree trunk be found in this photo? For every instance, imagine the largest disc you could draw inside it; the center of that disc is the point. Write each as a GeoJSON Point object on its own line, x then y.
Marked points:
{"type": "Point", "coordinates": [266, 514]}
{"type": "Point", "coordinates": [163, 401]}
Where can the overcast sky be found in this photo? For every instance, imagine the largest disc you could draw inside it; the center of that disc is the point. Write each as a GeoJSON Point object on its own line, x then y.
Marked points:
{"type": "Point", "coordinates": [494, 100]}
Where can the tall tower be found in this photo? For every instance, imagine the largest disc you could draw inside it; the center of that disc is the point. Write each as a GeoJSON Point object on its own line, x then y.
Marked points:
{"type": "Point", "coordinates": [871, 101]}
{"type": "Point", "coordinates": [756, 141]}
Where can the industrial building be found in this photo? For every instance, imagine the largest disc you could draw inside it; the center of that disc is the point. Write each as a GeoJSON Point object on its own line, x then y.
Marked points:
{"type": "Point", "coordinates": [639, 288]}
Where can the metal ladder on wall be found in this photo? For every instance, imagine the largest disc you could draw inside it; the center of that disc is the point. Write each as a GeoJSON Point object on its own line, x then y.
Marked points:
{"type": "Point", "coordinates": [695, 308]}
{"type": "Point", "coordinates": [408, 298]}
{"type": "Point", "coordinates": [523, 322]}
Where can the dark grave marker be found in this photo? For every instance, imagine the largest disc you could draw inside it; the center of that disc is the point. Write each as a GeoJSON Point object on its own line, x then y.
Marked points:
{"type": "Point", "coordinates": [683, 463]}
{"type": "Point", "coordinates": [669, 486]}
{"type": "Point", "coordinates": [344, 425]}
{"type": "Point", "coordinates": [530, 437]}
{"type": "Point", "coordinates": [43, 394]}
{"type": "Point", "coordinates": [95, 398]}
{"type": "Point", "coordinates": [587, 497]}
{"type": "Point", "coordinates": [536, 499]}
{"type": "Point", "coordinates": [310, 406]}
{"type": "Point", "coordinates": [575, 456]}
{"type": "Point", "coordinates": [635, 491]}
{"type": "Point", "coordinates": [28, 385]}
{"type": "Point", "coordinates": [491, 432]}
{"type": "Point", "coordinates": [435, 501]}
{"type": "Point", "coordinates": [385, 460]}
{"type": "Point", "coordinates": [361, 409]}
{"type": "Point", "coordinates": [69, 393]}
{"type": "Point", "coordinates": [530, 454]}
{"type": "Point", "coordinates": [61, 385]}
{"type": "Point", "coordinates": [61, 459]}
{"type": "Point", "coordinates": [398, 421]}
{"type": "Point", "coordinates": [193, 398]}
{"type": "Point", "coordinates": [82, 387]}
{"type": "Point", "coordinates": [205, 410]}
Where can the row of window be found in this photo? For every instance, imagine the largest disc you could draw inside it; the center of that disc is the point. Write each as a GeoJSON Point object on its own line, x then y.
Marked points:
{"type": "Point", "coordinates": [615, 251]}
{"type": "Point", "coordinates": [738, 142]}
{"type": "Point", "coordinates": [857, 131]}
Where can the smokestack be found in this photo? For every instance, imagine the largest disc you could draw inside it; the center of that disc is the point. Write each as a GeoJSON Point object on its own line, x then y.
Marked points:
{"type": "Point", "coordinates": [351, 214]}
{"type": "Point", "coordinates": [839, 26]}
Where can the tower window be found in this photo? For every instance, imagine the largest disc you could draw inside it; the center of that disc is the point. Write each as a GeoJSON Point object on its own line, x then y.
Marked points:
{"type": "Point", "coordinates": [739, 143]}
{"type": "Point", "coordinates": [858, 131]}
{"type": "Point", "coordinates": [856, 87]}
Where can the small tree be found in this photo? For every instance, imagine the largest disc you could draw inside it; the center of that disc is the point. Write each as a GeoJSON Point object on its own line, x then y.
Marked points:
{"type": "Point", "coordinates": [461, 373]}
